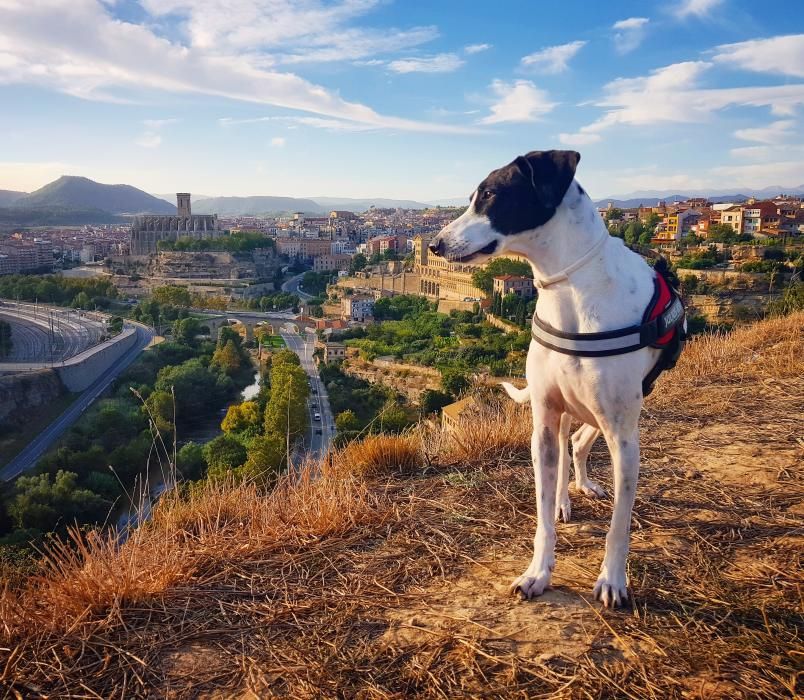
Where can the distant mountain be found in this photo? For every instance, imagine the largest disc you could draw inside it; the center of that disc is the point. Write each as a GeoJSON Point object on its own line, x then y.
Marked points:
{"type": "Point", "coordinates": [72, 192]}
{"type": "Point", "coordinates": [362, 204]}
{"type": "Point", "coordinates": [651, 197]}
{"type": "Point", "coordinates": [9, 196]}
{"type": "Point", "coordinates": [253, 206]}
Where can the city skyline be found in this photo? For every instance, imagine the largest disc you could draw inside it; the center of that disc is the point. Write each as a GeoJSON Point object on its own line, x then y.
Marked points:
{"type": "Point", "coordinates": [361, 98]}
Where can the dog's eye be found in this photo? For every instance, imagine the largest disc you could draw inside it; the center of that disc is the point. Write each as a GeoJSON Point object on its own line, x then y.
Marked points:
{"type": "Point", "coordinates": [487, 194]}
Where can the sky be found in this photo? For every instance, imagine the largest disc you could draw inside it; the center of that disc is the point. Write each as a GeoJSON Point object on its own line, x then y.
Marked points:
{"type": "Point", "coordinates": [399, 98]}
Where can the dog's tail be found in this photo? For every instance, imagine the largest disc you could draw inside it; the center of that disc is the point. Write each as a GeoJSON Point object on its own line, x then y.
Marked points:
{"type": "Point", "coordinates": [518, 395]}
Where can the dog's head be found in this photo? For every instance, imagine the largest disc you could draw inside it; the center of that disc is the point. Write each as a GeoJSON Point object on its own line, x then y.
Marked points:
{"type": "Point", "coordinates": [517, 198]}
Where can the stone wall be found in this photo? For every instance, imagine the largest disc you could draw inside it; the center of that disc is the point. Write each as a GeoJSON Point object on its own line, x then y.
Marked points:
{"type": "Point", "coordinates": [731, 307]}
{"type": "Point", "coordinates": [408, 380]}
{"type": "Point", "coordinates": [23, 393]}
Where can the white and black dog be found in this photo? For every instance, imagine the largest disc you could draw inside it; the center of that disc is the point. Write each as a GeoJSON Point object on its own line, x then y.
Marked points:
{"type": "Point", "coordinates": [594, 352]}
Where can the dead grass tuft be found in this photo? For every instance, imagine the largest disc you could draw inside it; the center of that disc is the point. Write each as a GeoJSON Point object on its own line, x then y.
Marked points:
{"type": "Point", "coordinates": [347, 582]}
{"type": "Point", "coordinates": [381, 455]}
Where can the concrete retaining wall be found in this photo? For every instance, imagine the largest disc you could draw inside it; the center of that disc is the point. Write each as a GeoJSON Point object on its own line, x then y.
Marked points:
{"type": "Point", "coordinates": [80, 371]}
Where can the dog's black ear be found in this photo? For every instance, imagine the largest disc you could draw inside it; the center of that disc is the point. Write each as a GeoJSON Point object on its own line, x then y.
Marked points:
{"type": "Point", "coordinates": [550, 173]}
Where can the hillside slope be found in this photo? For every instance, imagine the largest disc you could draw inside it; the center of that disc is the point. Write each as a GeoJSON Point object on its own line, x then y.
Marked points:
{"type": "Point", "coordinates": [387, 575]}
{"type": "Point", "coordinates": [83, 193]}
{"type": "Point", "coordinates": [9, 196]}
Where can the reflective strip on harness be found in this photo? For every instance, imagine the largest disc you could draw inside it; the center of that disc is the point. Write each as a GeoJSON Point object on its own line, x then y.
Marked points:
{"type": "Point", "coordinates": [663, 318]}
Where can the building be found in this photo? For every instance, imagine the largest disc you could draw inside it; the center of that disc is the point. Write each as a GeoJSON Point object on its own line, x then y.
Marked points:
{"type": "Point", "coordinates": [306, 249]}
{"type": "Point", "coordinates": [453, 415]}
{"type": "Point", "coordinates": [331, 263]}
{"type": "Point", "coordinates": [334, 352]}
{"type": "Point", "coordinates": [379, 245]}
{"type": "Point", "coordinates": [514, 284]}
{"type": "Point", "coordinates": [760, 217]}
{"type": "Point", "coordinates": [148, 230]}
{"type": "Point", "coordinates": [21, 255]}
{"type": "Point", "coordinates": [440, 279]}
{"type": "Point", "coordinates": [733, 216]}
{"type": "Point", "coordinates": [357, 308]}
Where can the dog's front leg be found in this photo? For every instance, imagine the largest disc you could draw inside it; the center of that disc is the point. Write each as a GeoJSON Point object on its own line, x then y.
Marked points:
{"type": "Point", "coordinates": [544, 448]}
{"type": "Point", "coordinates": [611, 587]}
{"type": "Point", "coordinates": [563, 506]}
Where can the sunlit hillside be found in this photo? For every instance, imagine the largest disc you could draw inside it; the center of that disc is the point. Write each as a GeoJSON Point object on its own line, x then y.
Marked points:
{"type": "Point", "coordinates": [383, 572]}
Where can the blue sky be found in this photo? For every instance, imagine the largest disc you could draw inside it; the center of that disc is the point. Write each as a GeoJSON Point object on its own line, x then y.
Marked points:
{"type": "Point", "coordinates": [400, 98]}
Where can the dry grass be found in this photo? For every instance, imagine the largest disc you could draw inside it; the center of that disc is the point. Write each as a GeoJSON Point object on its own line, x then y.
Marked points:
{"type": "Point", "coordinates": [359, 583]}
{"type": "Point", "coordinates": [380, 455]}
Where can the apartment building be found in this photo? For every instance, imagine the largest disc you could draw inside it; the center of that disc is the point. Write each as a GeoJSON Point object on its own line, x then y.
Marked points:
{"type": "Point", "coordinates": [759, 218]}
{"type": "Point", "coordinates": [514, 284]}
{"type": "Point", "coordinates": [357, 308]}
{"type": "Point", "coordinates": [334, 263]}
{"type": "Point", "coordinates": [733, 216]}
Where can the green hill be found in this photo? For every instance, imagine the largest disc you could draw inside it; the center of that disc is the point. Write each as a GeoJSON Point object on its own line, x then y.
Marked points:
{"type": "Point", "coordinates": [9, 196]}
{"type": "Point", "coordinates": [72, 192]}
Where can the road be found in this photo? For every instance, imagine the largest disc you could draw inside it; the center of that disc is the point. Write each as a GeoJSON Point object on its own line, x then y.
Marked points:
{"type": "Point", "coordinates": [292, 286]}
{"type": "Point", "coordinates": [316, 445]}
{"type": "Point", "coordinates": [39, 445]}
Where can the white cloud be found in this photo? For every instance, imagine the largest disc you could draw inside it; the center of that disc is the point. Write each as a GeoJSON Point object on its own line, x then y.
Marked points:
{"type": "Point", "coordinates": [696, 8]}
{"type": "Point", "coordinates": [293, 31]}
{"type": "Point", "coordinates": [672, 95]}
{"type": "Point", "coordinates": [77, 48]}
{"type": "Point", "coordinates": [553, 59]}
{"type": "Point", "coordinates": [442, 63]}
{"type": "Point", "coordinates": [579, 138]}
{"type": "Point", "coordinates": [159, 123]}
{"type": "Point", "coordinates": [773, 133]}
{"type": "Point", "coordinates": [778, 54]}
{"type": "Point", "coordinates": [278, 141]}
{"type": "Point", "coordinates": [294, 122]}
{"type": "Point", "coordinates": [476, 48]}
{"type": "Point", "coordinates": [630, 33]}
{"type": "Point", "coordinates": [520, 101]}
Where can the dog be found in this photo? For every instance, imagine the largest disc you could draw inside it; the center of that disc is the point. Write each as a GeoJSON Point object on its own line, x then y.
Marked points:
{"type": "Point", "coordinates": [594, 353]}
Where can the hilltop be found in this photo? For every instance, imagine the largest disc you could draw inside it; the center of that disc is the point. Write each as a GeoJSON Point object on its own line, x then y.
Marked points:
{"type": "Point", "coordinates": [9, 196]}
{"type": "Point", "coordinates": [384, 571]}
{"type": "Point", "coordinates": [73, 192]}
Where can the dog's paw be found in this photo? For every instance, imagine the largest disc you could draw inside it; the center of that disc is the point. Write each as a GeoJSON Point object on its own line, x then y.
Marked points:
{"type": "Point", "coordinates": [530, 586]}
{"type": "Point", "coordinates": [563, 509]}
{"type": "Point", "coordinates": [591, 488]}
{"type": "Point", "coordinates": [612, 591]}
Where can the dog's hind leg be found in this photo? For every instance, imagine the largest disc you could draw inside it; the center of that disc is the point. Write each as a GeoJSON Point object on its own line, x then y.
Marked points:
{"type": "Point", "coordinates": [582, 441]}
{"type": "Point", "coordinates": [611, 587]}
{"type": "Point", "coordinates": [563, 507]}
{"type": "Point", "coordinates": [544, 448]}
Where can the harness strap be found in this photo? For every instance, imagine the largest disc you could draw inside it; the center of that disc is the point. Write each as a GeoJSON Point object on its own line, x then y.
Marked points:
{"type": "Point", "coordinates": [616, 342]}
{"type": "Point", "coordinates": [577, 265]}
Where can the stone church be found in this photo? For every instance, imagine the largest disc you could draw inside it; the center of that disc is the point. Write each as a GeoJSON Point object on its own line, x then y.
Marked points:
{"type": "Point", "coordinates": [148, 229]}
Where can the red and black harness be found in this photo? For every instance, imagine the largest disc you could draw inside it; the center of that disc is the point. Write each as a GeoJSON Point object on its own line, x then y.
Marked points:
{"type": "Point", "coordinates": [663, 326]}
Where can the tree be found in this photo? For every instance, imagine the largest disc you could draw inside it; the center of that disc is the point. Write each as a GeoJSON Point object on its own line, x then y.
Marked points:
{"type": "Point", "coordinates": [632, 232]}
{"type": "Point", "coordinates": [81, 301]}
{"type": "Point", "coordinates": [173, 295]}
{"type": "Point", "coordinates": [186, 329]}
{"type": "Point", "coordinates": [227, 358]}
{"type": "Point", "coordinates": [41, 505]}
{"type": "Point", "coordinates": [266, 455]}
{"type": "Point", "coordinates": [484, 279]}
{"type": "Point", "coordinates": [223, 455]}
{"type": "Point", "coordinates": [346, 421]}
{"type": "Point", "coordinates": [286, 412]}
{"type": "Point", "coordinates": [160, 406]}
{"type": "Point", "coordinates": [242, 417]}
{"type": "Point", "coordinates": [433, 401]}
{"type": "Point", "coordinates": [190, 461]}
{"type": "Point", "coordinates": [454, 381]}
{"type": "Point", "coordinates": [722, 233]}
{"type": "Point", "coordinates": [357, 263]}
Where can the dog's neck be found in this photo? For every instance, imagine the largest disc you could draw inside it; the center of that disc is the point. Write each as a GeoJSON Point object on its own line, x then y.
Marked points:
{"type": "Point", "coordinates": [575, 229]}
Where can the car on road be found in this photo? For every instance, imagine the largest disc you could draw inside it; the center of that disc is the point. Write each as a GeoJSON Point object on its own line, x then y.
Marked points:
{"type": "Point", "coordinates": [318, 431]}
{"type": "Point", "coordinates": [316, 416]}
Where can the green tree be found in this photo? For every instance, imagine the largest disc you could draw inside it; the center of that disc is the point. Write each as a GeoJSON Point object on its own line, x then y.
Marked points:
{"type": "Point", "coordinates": [357, 263]}
{"type": "Point", "coordinates": [223, 455]}
{"type": "Point", "coordinates": [227, 358]}
{"type": "Point", "coordinates": [614, 213]}
{"type": "Point", "coordinates": [186, 329]}
{"type": "Point", "coordinates": [41, 504]}
{"type": "Point", "coordinates": [190, 461]}
{"type": "Point", "coordinates": [346, 421]}
{"type": "Point", "coordinates": [433, 401]}
{"type": "Point", "coordinates": [160, 406]}
{"type": "Point", "coordinates": [454, 381]}
{"type": "Point", "coordinates": [242, 417]}
{"type": "Point", "coordinates": [484, 279]}
{"type": "Point", "coordinates": [81, 301]}
{"type": "Point", "coordinates": [286, 412]}
{"type": "Point", "coordinates": [266, 455]}
{"type": "Point", "coordinates": [173, 295]}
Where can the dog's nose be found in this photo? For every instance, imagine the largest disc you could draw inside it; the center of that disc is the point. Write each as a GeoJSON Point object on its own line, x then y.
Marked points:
{"type": "Point", "coordinates": [436, 246]}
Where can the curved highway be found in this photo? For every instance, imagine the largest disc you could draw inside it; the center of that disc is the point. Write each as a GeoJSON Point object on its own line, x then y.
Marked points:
{"type": "Point", "coordinates": [28, 457]}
